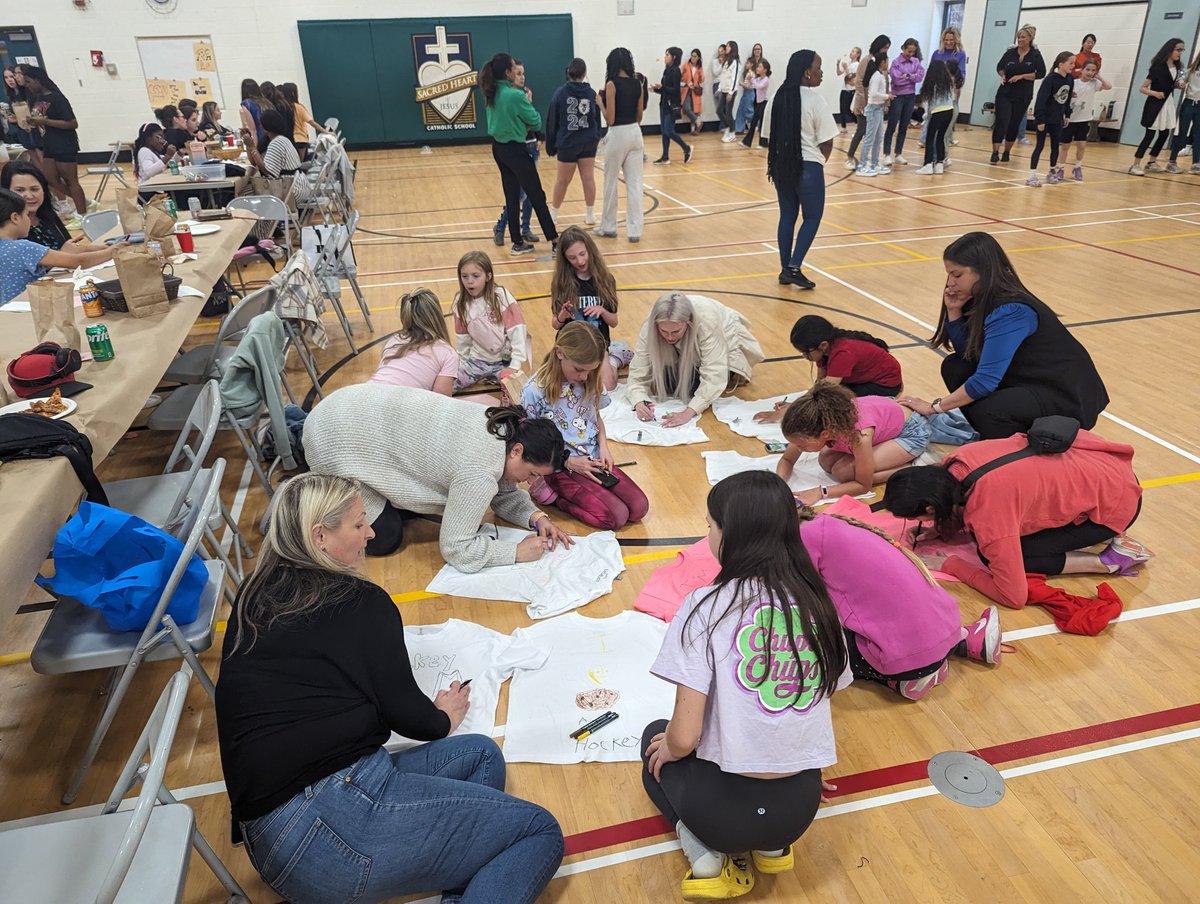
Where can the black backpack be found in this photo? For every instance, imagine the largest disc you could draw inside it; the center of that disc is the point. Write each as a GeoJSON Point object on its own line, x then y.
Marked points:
{"type": "Point", "coordinates": [1048, 435]}
{"type": "Point", "coordinates": [29, 436]}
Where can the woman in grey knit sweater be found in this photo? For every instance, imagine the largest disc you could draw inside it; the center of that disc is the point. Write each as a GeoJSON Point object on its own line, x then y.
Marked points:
{"type": "Point", "coordinates": [417, 451]}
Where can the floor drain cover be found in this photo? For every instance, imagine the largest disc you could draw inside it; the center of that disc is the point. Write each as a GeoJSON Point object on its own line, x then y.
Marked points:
{"type": "Point", "coordinates": [966, 779]}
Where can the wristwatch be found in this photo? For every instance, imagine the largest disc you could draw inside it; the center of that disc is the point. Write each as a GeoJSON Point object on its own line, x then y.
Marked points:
{"type": "Point", "coordinates": [936, 405]}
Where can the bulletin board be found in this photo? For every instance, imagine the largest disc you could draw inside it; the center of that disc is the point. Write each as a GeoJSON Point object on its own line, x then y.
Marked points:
{"type": "Point", "coordinates": [178, 67]}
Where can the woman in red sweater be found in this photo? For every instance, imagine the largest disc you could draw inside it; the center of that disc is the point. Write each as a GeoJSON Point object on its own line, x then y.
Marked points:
{"type": "Point", "coordinates": [1032, 515]}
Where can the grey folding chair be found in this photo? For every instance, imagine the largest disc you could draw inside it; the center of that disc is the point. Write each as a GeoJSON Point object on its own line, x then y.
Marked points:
{"type": "Point", "coordinates": [332, 124]}
{"type": "Point", "coordinates": [134, 854]}
{"type": "Point", "coordinates": [165, 500]}
{"type": "Point", "coordinates": [109, 169]}
{"type": "Point", "coordinates": [99, 223]}
{"type": "Point", "coordinates": [273, 214]}
{"type": "Point", "coordinates": [204, 362]}
{"type": "Point", "coordinates": [76, 638]}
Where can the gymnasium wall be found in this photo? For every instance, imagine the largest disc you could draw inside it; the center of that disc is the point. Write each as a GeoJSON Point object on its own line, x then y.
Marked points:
{"type": "Point", "coordinates": [261, 40]}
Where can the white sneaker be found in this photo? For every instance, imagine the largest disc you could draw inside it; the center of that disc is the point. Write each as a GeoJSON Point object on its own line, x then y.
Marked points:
{"type": "Point", "coordinates": [946, 163]}
{"type": "Point", "coordinates": [867, 171]}
{"type": "Point", "coordinates": [926, 170]}
{"type": "Point", "coordinates": [883, 171]}
{"type": "Point", "coordinates": [938, 169]}
{"type": "Point", "coordinates": [851, 163]}
{"type": "Point", "coordinates": [954, 141]}
{"type": "Point", "coordinates": [887, 159]}
{"type": "Point", "coordinates": [728, 137]}
{"type": "Point", "coordinates": [1154, 167]}
{"type": "Point", "coordinates": [1185, 151]}
{"type": "Point", "coordinates": [1136, 170]}
{"type": "Point", "coordinates": [93, 204]}
{"type": "Point", "coordinates": [900, 160]}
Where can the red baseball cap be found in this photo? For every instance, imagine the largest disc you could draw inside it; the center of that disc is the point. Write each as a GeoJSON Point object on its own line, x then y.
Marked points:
{"type": "Point", "coordinates": [39, 371]}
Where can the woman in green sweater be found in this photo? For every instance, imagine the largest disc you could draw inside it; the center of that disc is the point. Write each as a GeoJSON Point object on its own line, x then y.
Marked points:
{"type": "Point", "coordinates": [511, 116]}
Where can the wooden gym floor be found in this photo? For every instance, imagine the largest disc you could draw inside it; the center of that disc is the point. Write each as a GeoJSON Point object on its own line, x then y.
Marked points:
{"type": "Point", "coordinates": [1097, 737]}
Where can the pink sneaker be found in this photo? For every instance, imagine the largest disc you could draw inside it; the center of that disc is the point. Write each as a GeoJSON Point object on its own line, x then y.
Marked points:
{"type": "Point", "coordinates": [542, 493]}
{"type": "Point", "coordinates": [982, 640]}
{"type": "Point", "coordinates": [916, 688]}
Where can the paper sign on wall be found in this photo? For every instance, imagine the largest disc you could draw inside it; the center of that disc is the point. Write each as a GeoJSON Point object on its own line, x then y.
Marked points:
{"type": "Point", "coordinates": [201, 89]}
{"type": "Point", "coordinates": [26, 60]}
{"type": "Point", "coordinates": [164, 91]}
{"type": "Point", "coordinates": [202, 52]}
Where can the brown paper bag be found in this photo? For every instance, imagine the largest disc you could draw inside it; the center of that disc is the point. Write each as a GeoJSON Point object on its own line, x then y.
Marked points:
{"type": "Point", "coordinates": [141, 280]}
{"type": "Point", "coordinates": [169, 245]}
{"type": "Point", "coordinates": [130, 210]}
{"type": "Point", "coordinates": [53, 306]}
{"type": "Point", "coordinates": [159, 221]}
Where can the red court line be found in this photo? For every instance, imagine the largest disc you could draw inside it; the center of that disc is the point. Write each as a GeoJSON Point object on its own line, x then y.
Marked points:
{"type": "Point", "coordinates": [890, 776]}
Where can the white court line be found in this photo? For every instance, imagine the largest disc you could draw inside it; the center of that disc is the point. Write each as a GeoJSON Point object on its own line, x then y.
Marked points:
{"type": "Point", "coordinates": [867, 295]}
{"type": "Point", "coordinates": [1127, 616]}
{"type": "Point", "coordinates": [672, 198]}
{"type": "Point", "coordinates": [1150, 436]}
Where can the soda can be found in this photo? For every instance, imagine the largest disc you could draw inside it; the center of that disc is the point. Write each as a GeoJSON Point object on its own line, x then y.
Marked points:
{"type": "Point", "coordinates": [171, 208]}
{"type": "Point", "coordinates": [194, 207]}
{"type": "Point", "coordinates": [91, 299]}
{"type": "Point", "coordinates": [100, 343]}
{"type": "Point", "coordinates": [174, 166]}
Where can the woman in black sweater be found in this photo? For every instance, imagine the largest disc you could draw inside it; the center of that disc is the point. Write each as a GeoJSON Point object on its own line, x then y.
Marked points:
{"type": "Point", "coordinates": [314, 678]}
{"type": "Point", "coordinates": [669, 105]}
{"type": "Point", "coordinates": [1018, 69]}
{"type": "Point", "coordinates": [1159, 116]}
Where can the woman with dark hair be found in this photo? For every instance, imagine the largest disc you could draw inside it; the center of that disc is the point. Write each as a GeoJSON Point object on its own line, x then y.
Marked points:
{"type": "Point", "coordinates": [624, 149]}
{"type": "Point", "coordinates": [473, 461]}
{"type": "Point", "coordinates": [727, 90]}
{"type": "Point", "coordinates": [1012, 359]}
{"type": "Point", "coordinates": [279, 159]}
{"type": "Point", "coordinates": [14, 93]}
{"type": "Point", "coordinates": [174, 125]}
{"type": "Point", "coordinates": [572, 135]}
{"type": "Point", "coordinates": [283, 105]}
{"type": "Point", "coordinates": [937, 94]}
{"type": "Point", "coordinates": [746, 99]}
{"type": "Point", "coordinates": [511, 116]}
{"type": "Point", "coordinates": [302, 119]}
{"type": "Point", "coordinates": [755, 659]}
{"type": "Point", "coordinates": [905, 74]}
{"type": "Point", "coordinates": [51, 113]}
{"type": "Point", "coordinates": [881, 44]}
{"type": "Point", "coordinates": [691, 89]}
{"type": "Point", "coordinates": [45, 227]}
{"type": "Point", "coordinates": [1159, 116]}
{"type": "Point", "coordinates": [151, 151]}
{"type": "Point", "coordinates": [800, 141]}
{"type": "Point", "coordinates": [668, 91]}
{"type": "Point", "coordinates": [1019, 67]}
{"type": "Point", "coordinates": [315, 675]}
{"type": "Point", "coordinates": [251, 110]}
{"type": "Point", "coordinates": [1033, 515]}
{"type": "Point", "coordinates": [1086, 55]}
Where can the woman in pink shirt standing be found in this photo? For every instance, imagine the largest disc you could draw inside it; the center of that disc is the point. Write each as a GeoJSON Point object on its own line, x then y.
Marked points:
{"type": "Point", "coordinates": [906, 74]}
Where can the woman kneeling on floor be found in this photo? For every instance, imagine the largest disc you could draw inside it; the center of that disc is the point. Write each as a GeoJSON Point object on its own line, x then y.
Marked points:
{"type": "Point", "coordinates": [755, 658]}
{"type": "Point", "coordinates": [314, 677]}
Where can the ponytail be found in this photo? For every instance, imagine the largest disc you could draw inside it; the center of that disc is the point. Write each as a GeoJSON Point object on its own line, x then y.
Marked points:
{"type": "Point", "coordinates": [541, 440]}
{"type": "Point", "coordinates": [811, 330]}
{"type": "Point", "coordinates": [493, 72]}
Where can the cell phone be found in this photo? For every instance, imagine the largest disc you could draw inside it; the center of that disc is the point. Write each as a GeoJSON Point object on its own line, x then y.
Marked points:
{"type": "Point", "coordinates": [776, 447]}
{"type": "Point", "coordinates": [607, 479]}
{"type": "Point", "coordinates": [134, 238]}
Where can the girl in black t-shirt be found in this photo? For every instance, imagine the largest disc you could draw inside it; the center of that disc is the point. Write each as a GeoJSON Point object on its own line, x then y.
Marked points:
{"type": "Point", "coordinates": [51, 114]}
{"type": "Point", "coordinates": [174, 125]}
{"type": "Point", "coordinates": [583, 288]}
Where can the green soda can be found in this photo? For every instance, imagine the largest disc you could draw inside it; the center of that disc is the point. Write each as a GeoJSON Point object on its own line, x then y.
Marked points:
{"type": "Point", "coordinates": [100, 343]}
{"type": "Point", "coordinates": [171, 208]}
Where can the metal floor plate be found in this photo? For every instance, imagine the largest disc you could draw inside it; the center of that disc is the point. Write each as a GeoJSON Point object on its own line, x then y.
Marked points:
{"type": "Point", "coordinates": [966, 779]}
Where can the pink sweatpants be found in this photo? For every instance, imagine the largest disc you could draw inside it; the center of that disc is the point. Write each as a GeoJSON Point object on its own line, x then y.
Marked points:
{"type": "Point", "coordinates": [594, 505]}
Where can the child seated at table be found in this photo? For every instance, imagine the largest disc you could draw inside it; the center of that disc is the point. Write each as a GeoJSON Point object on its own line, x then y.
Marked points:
{"type": "Point", "coordinates": [23, 261]}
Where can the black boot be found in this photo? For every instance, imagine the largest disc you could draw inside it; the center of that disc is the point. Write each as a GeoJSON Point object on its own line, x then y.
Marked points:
{"type": "Point", "coordinates": [793, 277]}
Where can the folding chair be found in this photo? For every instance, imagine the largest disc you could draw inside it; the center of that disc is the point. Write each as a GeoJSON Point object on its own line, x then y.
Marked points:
{"type": "Point", "coordinates": [139, 853]}
{"type": "Point", "coordinates": [165, 500]}
{"type": "Point", "coordinates": [204, 362]}
{"type": "Point", "coordinates": [98, 224]}
{"type": "Point", "coordinates": [109, 169]}
{"type": "Point", "coordinates": [335, 262]}
{"type": "Point", "coordinates": [76, 638]}
{"type": "Point", "coordinates": [298, 291]}
{"type": "Point", "coordinates": [332, 124]}
{"type": "Point", "coordinates": [273, 214]}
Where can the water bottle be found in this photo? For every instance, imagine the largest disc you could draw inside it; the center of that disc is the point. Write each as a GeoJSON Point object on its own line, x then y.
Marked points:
{"type": "Point", "coordinates": [194, 207]}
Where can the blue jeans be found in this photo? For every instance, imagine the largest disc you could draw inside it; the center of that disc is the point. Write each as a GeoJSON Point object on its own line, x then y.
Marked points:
{"type": "Point", "coordinates": [745, 110]}
{"type": "Point", "coordinates": [874, 137]}
{"type": "Point", "coordinates": [433, 817]}
{"type": "Point", "coordinates": [669, 134]}
{"type": "Point", "coordinates": [899, 116]}
{"type": "Point", "coordinates": [807, 198]}
{"type": "Point", "coordinates": [526, 204]}
{"type": "Point", "coordinates": [1189, 126]}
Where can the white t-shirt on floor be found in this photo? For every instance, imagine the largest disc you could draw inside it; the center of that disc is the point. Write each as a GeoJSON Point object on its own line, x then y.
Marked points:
{"type": "Point", "coordinates": [595, 665]}
{"type": "Point", "coordinates": [457, 651]}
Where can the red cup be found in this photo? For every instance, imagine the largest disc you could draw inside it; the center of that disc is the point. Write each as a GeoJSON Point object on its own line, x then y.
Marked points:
{"type": "Point", "coordinates": [186, 243]}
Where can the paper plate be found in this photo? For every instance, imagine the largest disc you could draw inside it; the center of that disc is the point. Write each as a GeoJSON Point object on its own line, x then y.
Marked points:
{"type": "Point", "coordinates": [22, 407]}
{"type": "Point", "coordinates": [202, 228]}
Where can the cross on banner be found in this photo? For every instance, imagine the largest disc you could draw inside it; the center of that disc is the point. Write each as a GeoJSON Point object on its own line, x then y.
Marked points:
{"type": "Point", "coordinates": [440, 48]}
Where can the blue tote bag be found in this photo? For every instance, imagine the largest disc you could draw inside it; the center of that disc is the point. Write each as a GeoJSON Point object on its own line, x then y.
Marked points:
{"type": "Point", "coordinates": [117, 563]}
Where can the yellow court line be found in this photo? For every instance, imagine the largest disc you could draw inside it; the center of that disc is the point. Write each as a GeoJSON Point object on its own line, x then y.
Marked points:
{"type": "Point", "coordinates": [1170, 481]}
{"type": "Point", "coordinates": [654, 556]}
{"type": "Point", "coordinates": [1153, 238]}
{"type": "Point", "coordinates": [744, 191]}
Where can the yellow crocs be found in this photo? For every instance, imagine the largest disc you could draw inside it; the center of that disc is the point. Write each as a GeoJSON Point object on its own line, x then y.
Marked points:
{"type": "Point", "coordinates": [735, 880]}
{"type": "Point", "coordinates": [784, 863]}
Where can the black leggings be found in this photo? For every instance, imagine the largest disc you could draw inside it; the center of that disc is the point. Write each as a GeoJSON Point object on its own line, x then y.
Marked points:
{"type": "Point", "coordinates": [866, 389]}
{"type": "Point", "coordinates": [845, 117]}
{"type": "Point", "coordinates": [732, 813]}
{"type": "Point", "coordinates": [860, 668]}
{"type": "Point", "coordinates": [518, 173]}
{"type": "Point", "coordinates": [860, 130]}
{"type": "Point", "coordinates": [1010, 113]}
{"type": "Point", "coordinates": [389, 531]}
{"type": "Point", "coordinates": [1003, 413]}
{"type": "Point", "coordinates": [935, 138]}
{"type": "Point", "coordinates": [1053, 131]}
{"type": "Point", "coordinates": [1045, 552]}
{"type": "Point", "coordinates": [755, 123]}
{"type": "Point", "coordinates": [1163, 135]}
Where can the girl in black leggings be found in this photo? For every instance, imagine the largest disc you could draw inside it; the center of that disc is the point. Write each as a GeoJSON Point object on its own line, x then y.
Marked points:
{"type": "Point", "coordinates": [511, 117]}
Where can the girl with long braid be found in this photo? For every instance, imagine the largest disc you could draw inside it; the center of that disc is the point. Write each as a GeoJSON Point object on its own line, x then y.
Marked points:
{"type": "Point", "coordinates": [802, 130]}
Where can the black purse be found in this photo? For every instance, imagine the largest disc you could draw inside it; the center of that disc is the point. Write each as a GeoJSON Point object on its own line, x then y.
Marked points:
{"type": "Point", "coordinates": [1048, 435]}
